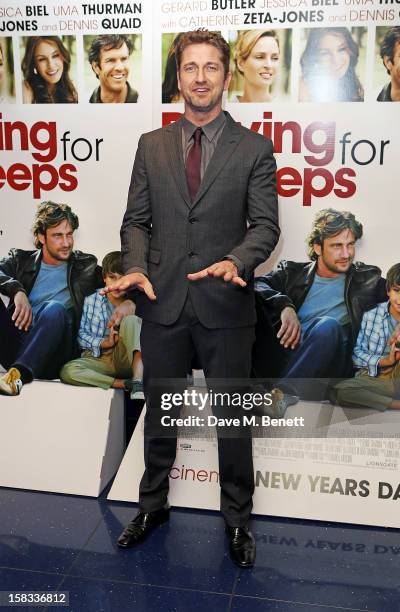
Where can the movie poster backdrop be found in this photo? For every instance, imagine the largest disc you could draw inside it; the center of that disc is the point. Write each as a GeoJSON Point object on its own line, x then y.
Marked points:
{"type": "Point", "coordinates": [305, 73]}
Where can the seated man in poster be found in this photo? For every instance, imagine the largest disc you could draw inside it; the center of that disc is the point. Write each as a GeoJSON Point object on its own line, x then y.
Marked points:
{"type": "Point", "coordinates": [109, 58]}
{"type": "Point", "coordinates": [309, 313]}
{"type": "Point", "coordinates": [46, 288]}
{"type": "Point", "coordinates": [390, 54]}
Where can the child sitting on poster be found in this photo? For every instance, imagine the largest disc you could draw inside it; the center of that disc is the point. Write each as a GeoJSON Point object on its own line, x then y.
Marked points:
{"type": "Point", "coordinates": [111, 358]}
{"type": "Point", "coordinates": [376, 355]}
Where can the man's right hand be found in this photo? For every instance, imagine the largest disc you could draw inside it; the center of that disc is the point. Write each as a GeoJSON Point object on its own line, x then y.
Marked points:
{"type": "Point", "coordinates": [110, 340]}
{"type": "Point", "coordinates": [136, 280]}
{"type": "Point", "coordinates": [391, 359]}
{"type": "Point", "coordinates": [290, 331]}
{"type": "Point", "coordinates": [22, 315]}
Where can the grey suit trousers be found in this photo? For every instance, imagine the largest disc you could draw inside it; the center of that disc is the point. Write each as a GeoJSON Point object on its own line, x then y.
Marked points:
{"type": "Point", "coordinates": [167, 353]}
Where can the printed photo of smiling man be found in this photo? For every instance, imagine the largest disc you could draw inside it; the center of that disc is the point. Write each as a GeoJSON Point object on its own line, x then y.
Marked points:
{"type": "Point", "coordinates": [387, 64]}
{"type": "Point", "coordinates": [113, 58]}
{"type": "Point", "coordinates": [261, 65]}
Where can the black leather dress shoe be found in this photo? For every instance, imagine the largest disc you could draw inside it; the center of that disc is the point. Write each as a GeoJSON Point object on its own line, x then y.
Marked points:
{"type": "Point", "coordinates": [139, 528]}
{"type": "Point", "coordinates": [242, 546]}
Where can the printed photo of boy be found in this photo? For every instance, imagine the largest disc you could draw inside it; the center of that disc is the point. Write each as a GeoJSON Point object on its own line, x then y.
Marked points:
{"type": "Point", "coordinates": [376, 355]}
{"type": "Point", "coordinates": [111, 357]}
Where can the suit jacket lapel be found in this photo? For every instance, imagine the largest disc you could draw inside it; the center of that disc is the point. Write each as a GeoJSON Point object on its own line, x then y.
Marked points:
{"type": "Point", "coordinates": [227, 143]}
{"type": "Point", "coordinates": [175, 159]}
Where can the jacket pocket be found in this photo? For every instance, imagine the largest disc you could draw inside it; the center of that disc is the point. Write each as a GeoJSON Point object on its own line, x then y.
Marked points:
{"type": "Point", "coordinates": [154, 256]}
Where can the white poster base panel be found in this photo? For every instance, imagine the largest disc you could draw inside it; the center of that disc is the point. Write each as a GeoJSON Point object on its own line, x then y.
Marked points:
{"type": "Point", "coordinates": [343, 476]}
{"type": "Point", "coordinates": [60, 438]}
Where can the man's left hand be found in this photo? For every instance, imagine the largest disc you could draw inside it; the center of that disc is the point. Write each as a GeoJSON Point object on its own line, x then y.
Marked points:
{"type": "Point", "coordinates": [123, 310]}
{"type": "Point", "coordinates": [225, 269]}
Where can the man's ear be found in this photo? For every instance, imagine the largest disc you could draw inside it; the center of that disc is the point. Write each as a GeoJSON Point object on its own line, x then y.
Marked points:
{"type": "Point", "coordinates": [96, 68]}
{"type": "Point", "coordinates": [41, 238]}
{"type": "Point", "coordinates": [317, 248]}
{"type": "Point", "coordinates": [388, 63]}
{"type": "Point", "coordinates": [178, 80]}
{"type": "Point", "coordinates": [227, 80]}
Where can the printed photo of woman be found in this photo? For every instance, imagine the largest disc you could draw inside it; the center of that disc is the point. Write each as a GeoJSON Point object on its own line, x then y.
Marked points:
{"type": "Point", "coordinates": [329, 65]}
{"type": "Point", "coordinates": [261, 65]}
{"type": "Point", "coordinates": [7, 83]}
{"type": "Point", "coordinates": [169, 90]}
{"type": "Point", "coordinates": [45, 66]}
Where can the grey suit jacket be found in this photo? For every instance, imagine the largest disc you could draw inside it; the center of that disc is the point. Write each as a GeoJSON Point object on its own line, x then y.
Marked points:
{"type": "Point", "coordinates": [167, 236]}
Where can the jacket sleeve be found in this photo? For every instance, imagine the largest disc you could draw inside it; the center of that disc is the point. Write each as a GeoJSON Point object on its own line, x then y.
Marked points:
{"type": "Point", "coordinates": [262, 211]}
{"type": "Point", "coordinates": [88, 335]}
{"type": "Point", "coordinates": [271, 289]}
{"type": "Point", "coordinates": [363, 354]}
{"type": "Point", "coordinates": [98, 278]}
{"type": "Point", "coordinates": [9, 285]}
{"type": "Point", "coordinates": [136, 224]}
{"type": "Point", "coordinates": [381, 291]}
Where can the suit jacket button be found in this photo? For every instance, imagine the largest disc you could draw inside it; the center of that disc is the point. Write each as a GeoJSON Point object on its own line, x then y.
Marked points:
{"type": "Point", "coordinates": [191, 254]}
{"type": "Point", "coordinates": [192, 220]}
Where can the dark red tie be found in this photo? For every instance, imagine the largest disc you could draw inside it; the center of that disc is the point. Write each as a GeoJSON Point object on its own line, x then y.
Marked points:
{"type": "Point", "coordinates": [193, 164]}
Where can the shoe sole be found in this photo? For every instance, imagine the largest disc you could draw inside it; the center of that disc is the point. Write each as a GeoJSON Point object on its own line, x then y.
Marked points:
{"type": "Point", "coordinates": [244, 565]}
{"type": "Point", "coordinates": [10, 393]}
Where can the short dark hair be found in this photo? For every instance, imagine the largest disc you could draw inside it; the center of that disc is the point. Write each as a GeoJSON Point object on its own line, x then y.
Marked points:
{"type": "Point", "coordinates": [330, 222]}
{"type": "Point", "coordinates": [391, 38]}
{"type": "Point", "coordinates": [112, 263]}
{"type": "Point", "coordinates": [107, 42]}
{"type": "Point", "coordinates": [393, 276]}
{"type": "Point", "coordinates": [197, 37]}
{"type": "Point", "coordinates": [50, 214]}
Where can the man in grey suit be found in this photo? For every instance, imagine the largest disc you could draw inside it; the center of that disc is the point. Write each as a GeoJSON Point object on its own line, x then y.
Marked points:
{"type": "Point", "coordinates": [201, 215]}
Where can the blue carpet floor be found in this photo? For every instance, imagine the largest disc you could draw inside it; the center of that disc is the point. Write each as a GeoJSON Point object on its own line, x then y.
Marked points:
{"type": "Point", "coordinates": [51, 542]}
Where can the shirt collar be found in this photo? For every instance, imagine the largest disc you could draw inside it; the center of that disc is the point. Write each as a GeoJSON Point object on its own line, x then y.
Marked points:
{"type": "Point", "coordinates": [98, 93]}
{"type": "Point", "coordinates": [100, 296]}
{"type": "Point", "coordinates": [384, 309]}
{"type": "Point", "coordinates": [210, 130]}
